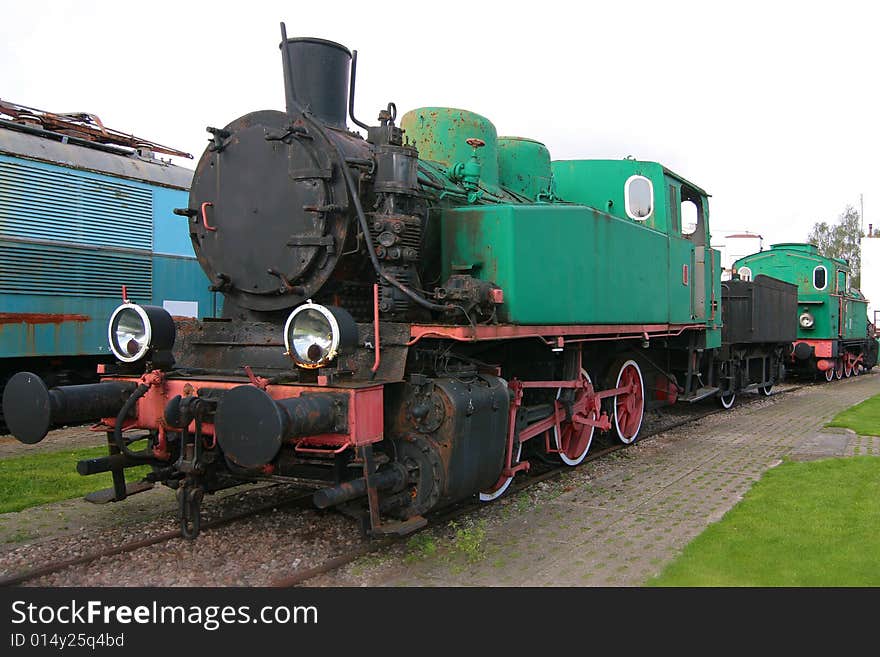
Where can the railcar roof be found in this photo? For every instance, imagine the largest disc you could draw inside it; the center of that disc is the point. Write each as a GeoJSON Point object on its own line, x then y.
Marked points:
{"type": "Point", "coordinates": [114, 162]}
{"type": "Point", "coordinates": [666, 171]}
{"type": "Point", "coordinates": [670, 172]}
{"type": "Point", "coordinates": [808, 248]}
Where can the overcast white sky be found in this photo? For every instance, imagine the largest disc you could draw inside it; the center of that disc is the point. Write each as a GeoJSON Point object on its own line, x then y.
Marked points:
{"type": "Point", "coordinates": [770, 106]}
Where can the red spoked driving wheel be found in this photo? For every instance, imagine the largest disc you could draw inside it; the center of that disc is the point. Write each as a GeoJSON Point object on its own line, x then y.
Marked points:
{"type": "Point", "coordinates": [629, 405]}
{"type": "Point", "coordinates": [574, 437]}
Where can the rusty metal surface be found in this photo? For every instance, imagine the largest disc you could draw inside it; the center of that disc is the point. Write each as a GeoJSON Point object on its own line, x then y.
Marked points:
{"type": "Point", "coordinates": [42, 318]}
{"type": "Point", "coordinates": [80, 124]}
{"type": "Point", "coordinates": [52, 326]}
{"type": "Point", "coordinates": [231, 345]}
{"type": "Point", "coordinates": [505, 331]}
{"type": "Point", "coordinates": [457, 426]}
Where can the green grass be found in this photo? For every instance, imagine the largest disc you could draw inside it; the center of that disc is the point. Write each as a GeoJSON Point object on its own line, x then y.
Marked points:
{"type": "Point", "coordinates": [862, 418]}
{"type": "Point", "coordinates": [469, 541]}
{"type": "Point", "coordinates": [420, 546]}
{"type": "Point", "coordinates": [803, 524]}
{"type": "Point", "coordinates": [36, 479]}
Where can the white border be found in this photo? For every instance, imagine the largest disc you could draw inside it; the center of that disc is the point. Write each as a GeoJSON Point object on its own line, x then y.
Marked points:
{"type": "Point", "coordinates": [111, 338]}
{"type": "Point", "coordinates": [823, 268]}
{"type": "Point", "coordinates": [334, 332]}
{"type": "Point", "coordinates": [626, 198]}
{"type": "Point", "coordinates": [747, 276]}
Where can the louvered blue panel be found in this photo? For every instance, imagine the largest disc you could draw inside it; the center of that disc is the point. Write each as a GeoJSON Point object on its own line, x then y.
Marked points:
{"type": "Point", "coordinates": [73, 271]}
{"type": "Point", "coordinates": [71, 206]}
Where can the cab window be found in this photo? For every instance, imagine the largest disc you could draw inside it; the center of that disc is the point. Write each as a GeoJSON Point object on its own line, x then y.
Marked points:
{"type": "Point", "coordinates": [841, 282]}
{"type": "Point", "coordinates": [693, 216]}
{"type": "Point", "coordinates": [689, 217]}
{"type": "Point", "coordinates": [820, 278]}
{"type": "Point", "coordinates": [639, 196]}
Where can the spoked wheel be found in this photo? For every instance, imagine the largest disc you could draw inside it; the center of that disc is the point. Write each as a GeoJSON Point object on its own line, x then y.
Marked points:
{"type": "Point", "coordinates": [629, 408]}
{"type": "Point", "coordinates": [727, 399]}
{"type": "Point", "coordinates": [574, 439]}
{"type": "Point", "coordinates": [847, 366]}
{"type": "Point", "coordinates": [766, 390]}
{"type": "Point", "coordinates": [829, 374]}
{"type": "Point", "coordinates": [503, 482]}
{"type": "Point", "coordinates": [838, 369]}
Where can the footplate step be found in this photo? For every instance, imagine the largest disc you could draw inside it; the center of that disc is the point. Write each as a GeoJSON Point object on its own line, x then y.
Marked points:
{"type": "Point", "coordinates": [400, 528]}
{"type": "Point", "coordinates": [108, 495]}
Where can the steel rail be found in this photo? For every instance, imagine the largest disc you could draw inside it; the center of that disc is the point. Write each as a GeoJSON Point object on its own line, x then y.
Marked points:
{"type": "Point", "coordinates": [56, 566]}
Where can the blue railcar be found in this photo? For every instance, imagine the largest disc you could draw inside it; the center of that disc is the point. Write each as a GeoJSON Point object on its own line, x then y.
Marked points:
{"type": "Point", "coordinates": [78, 220]}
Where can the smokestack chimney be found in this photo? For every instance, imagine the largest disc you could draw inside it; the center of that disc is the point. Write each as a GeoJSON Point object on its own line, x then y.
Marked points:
{"type": "Point", "coordinates": [318, 79]}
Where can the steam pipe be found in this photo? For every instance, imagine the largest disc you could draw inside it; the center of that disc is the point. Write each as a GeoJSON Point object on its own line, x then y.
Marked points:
{"type": "Point", "coordinates": [354, 64]}
{"type": "Point", "coordinates": [146, 454]}
{"type": "Point", "coordinates": [351, 490]}
{"type": "Point", "coordinates": [378, 359]}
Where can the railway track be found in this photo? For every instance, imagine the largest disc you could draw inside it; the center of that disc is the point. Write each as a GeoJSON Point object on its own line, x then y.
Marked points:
{"type": "Point", "coordinates": [163, 537]}
{"type": "Point", "coordinates": [539, 474]}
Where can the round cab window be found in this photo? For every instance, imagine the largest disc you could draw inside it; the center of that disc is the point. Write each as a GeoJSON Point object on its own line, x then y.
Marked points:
{"type": "Point", "coordinates": [820, 278]}
{"type": "Point", "coordinates": [639, 194]}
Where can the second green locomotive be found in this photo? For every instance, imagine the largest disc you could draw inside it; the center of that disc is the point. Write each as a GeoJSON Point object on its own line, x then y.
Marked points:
{"type": "Point", "coordinates": [835, 338]}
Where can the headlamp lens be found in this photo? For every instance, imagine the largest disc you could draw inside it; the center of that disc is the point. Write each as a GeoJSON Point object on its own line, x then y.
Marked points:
{"type": "Point", "coordinates": [129, 333]}
{"type": "Point", "coordinates": [315, 335]}
{"type": "Point", "coordinates": [311, 338]}
{"type": "Point", "coordinates": [135, 330]}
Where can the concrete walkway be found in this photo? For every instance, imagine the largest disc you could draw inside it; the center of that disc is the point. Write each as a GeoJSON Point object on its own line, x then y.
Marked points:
{"type": "Point", "coordinates": [621, 522]}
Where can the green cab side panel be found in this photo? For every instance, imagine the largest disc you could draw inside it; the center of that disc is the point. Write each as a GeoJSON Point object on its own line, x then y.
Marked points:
{"type": "Point", "coordinates": [565, 264]}
{"type": "Point", "coordinates": [600, 184]}
{"type": "Point", "coordinates": [693, 278]}
{"type": "Point", "coordinates": [854, 327]}
{"type": "Point", "coordinates": [680, 295]}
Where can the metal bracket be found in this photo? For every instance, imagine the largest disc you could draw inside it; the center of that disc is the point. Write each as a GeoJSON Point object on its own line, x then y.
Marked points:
{"type": "Point", "coordinates": [311, 240]}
